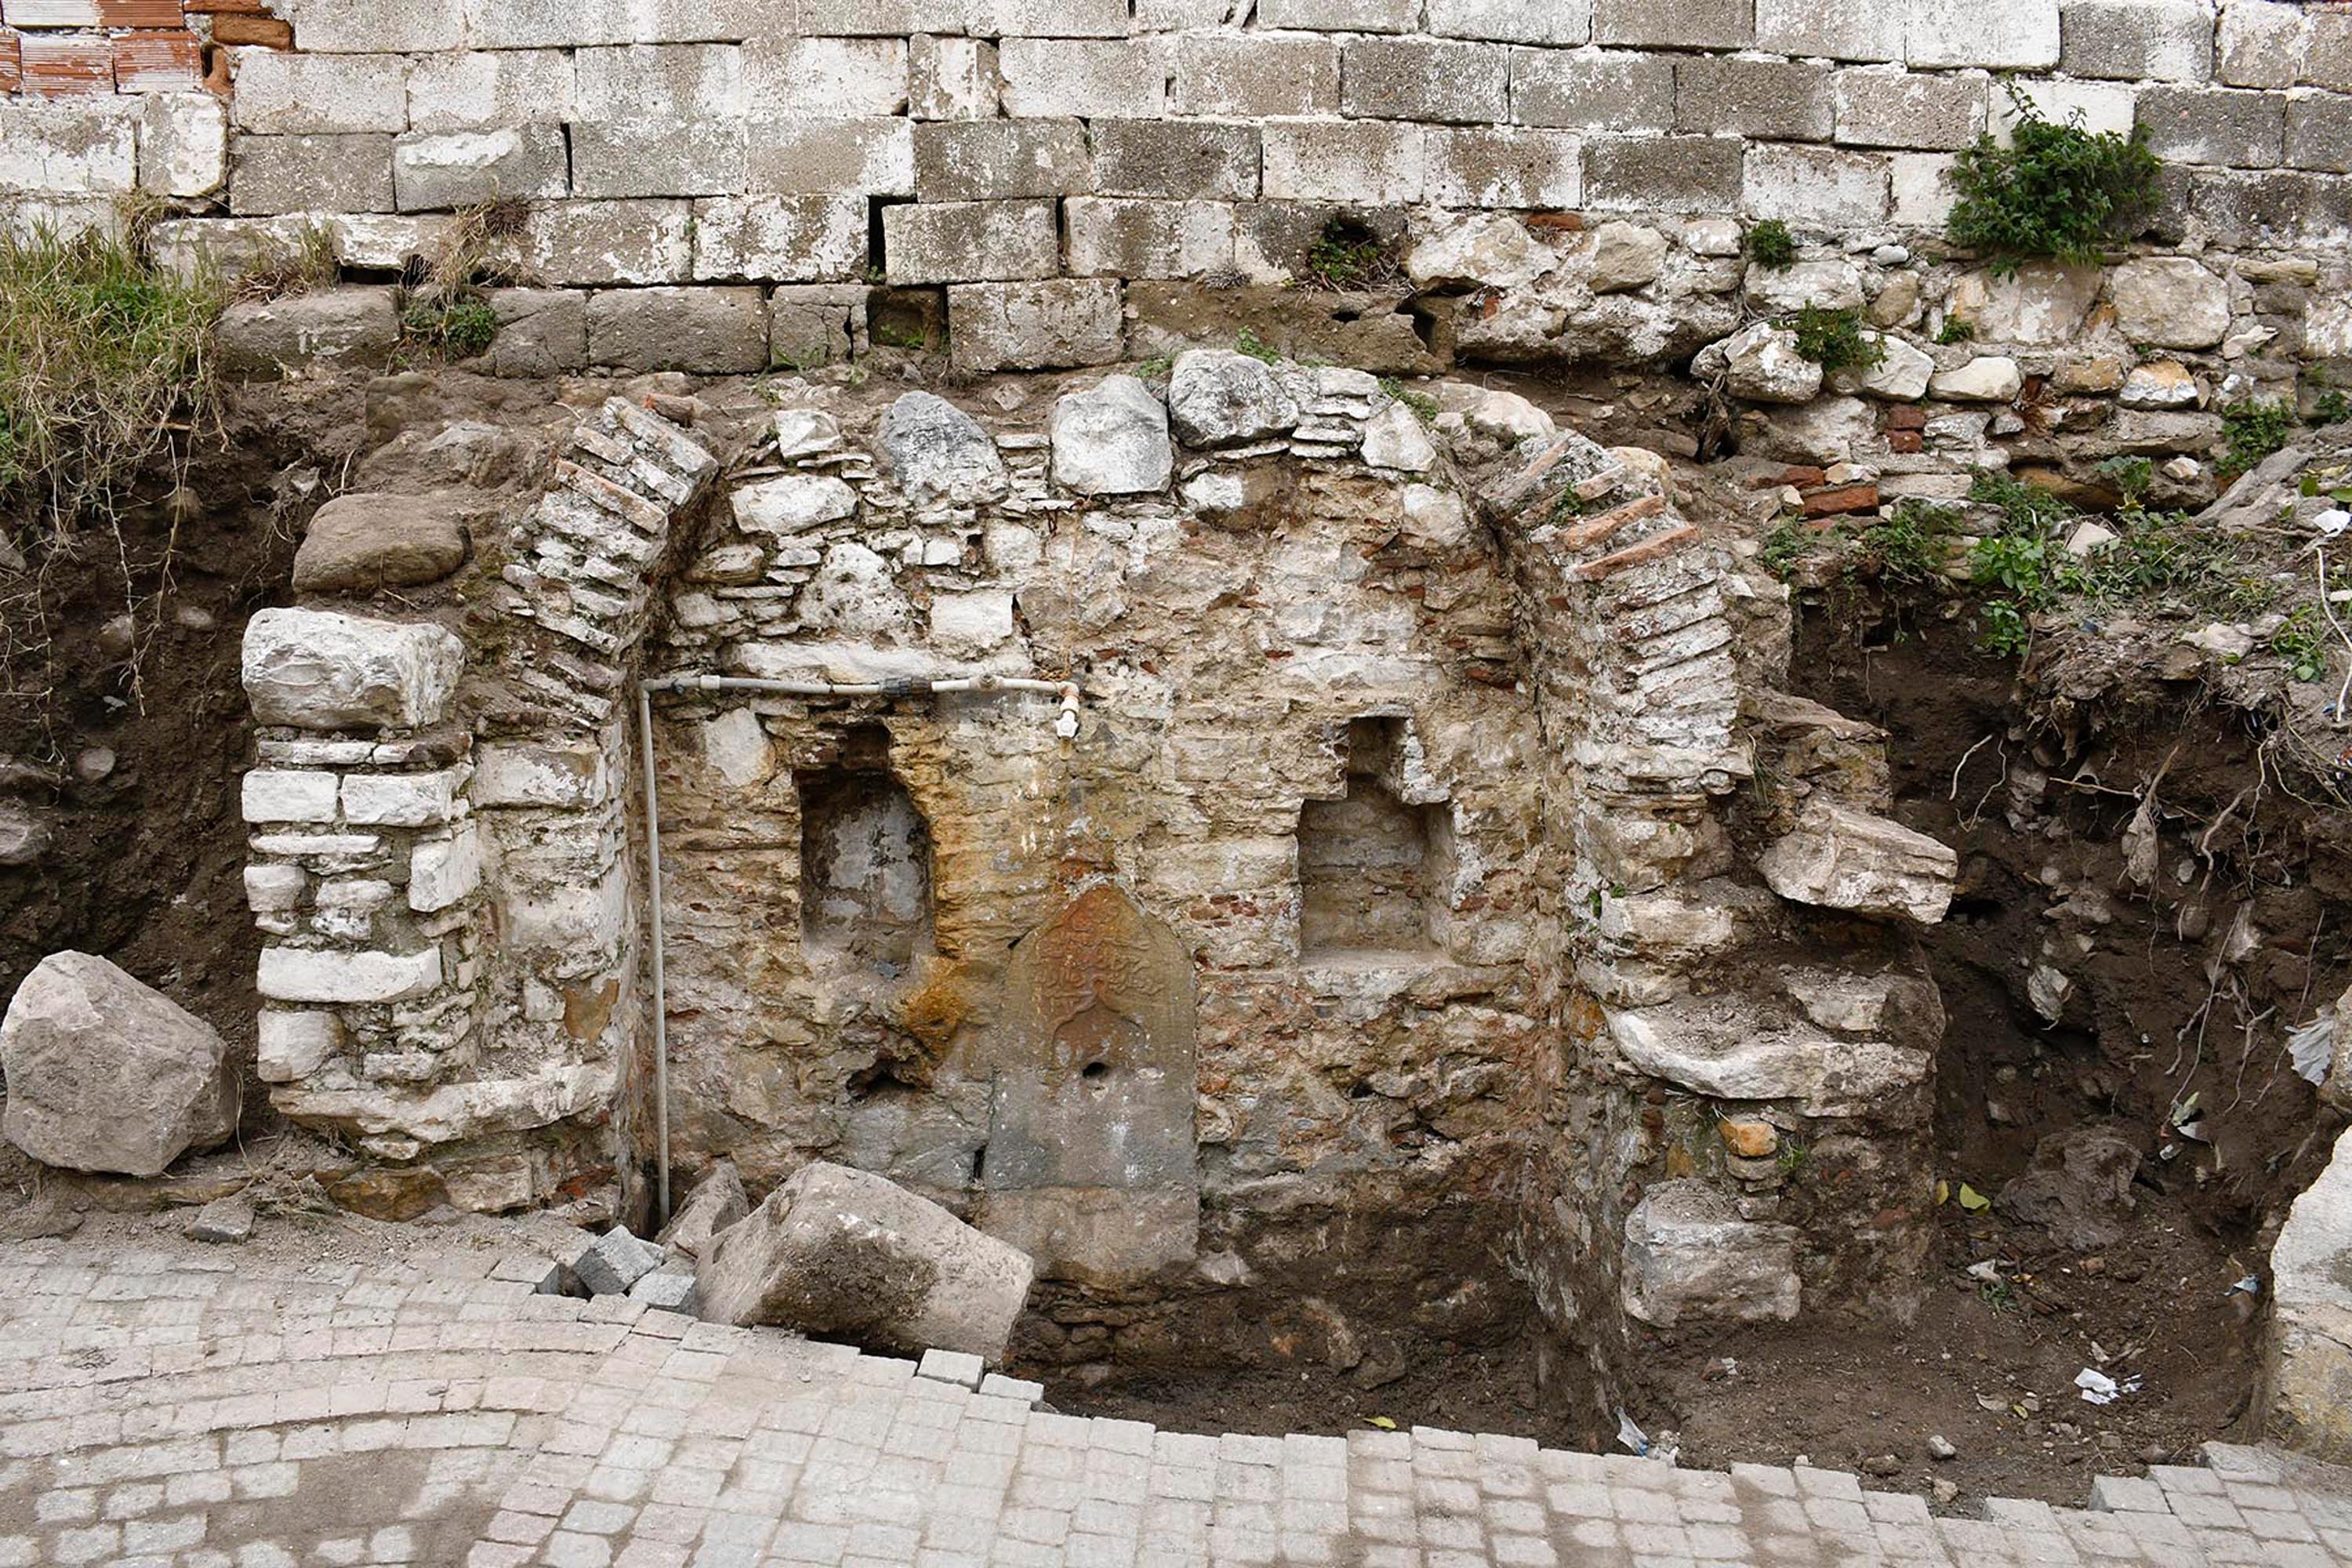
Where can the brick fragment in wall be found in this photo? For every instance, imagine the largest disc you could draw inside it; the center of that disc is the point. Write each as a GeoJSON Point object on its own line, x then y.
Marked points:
{"type": "Point", "coordinates": [350, 173]}
{"type": "Point", "coordinates": [995, 160]}
{"type": "Point", "coordinates": [1880, 106]}
{"type": "Point", "coordinates": [65, 66]}
{"type": "Point", "coordinates": [1782, 100]}
{"type": "Point", "coordinates": [1083, 77]}
{"type": "Point", "coordinates": [1504, 167]}
{"type": "Point", "coordinates": [1586, 90]}
{"type": "Point", "coordinates": [968, 242]}
{"type": "Point", "coordinates": [1425, 79]}
{"type": "Point", "coordinates": [261, 32]}
{"type": "Point", "coordinates": [479, 89]}
{"type": "Point", "coordinates": [873, 155]}
{"type": "Point", "coordinates": [157, 62]}
{"type": "Point", "coordinates": [442, 170]}
{"type": "Point", "coordinates": [1174, 159]}
{"type": "Point", "coordinates": [778, 238]}
{"type": "Point", "coordinates": [1675, 23]}
{"type": "Point", "coordinates": [1831, 29]}
{"type": "Point", "coordinates": [12, 68]}
{"type": "Point", "coordinates": [1256, 76]}
{"type": "Point", "coordinates": [2215, 126]}
{"type": "Point", "coordinates": [283, 94]}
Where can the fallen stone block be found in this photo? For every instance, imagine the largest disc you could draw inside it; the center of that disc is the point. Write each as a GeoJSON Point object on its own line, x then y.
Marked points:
{"type": "Point", "coordinates": [960, 1367]}
{"type": "Point", "coordinates": [106, 1074]}
{"type": "Point", "coordinates": [543, 1275]}
{"type": "Point", "coordinates": [996, 1385]}
{"type": "Point", "coordinates": [222, 1220]}
{"type": "Point", "coordinates": [609, 1263]}
{"type": "Point", "coordinates": [1843, 859]}
{"type": "Point", "coordinates": [668, 1289]}
{"type": "Point", "coordinates": [261, 338]}
{"type": "Point", "coordinates": [719, 1201]}
{"type": "Point", "coordinates": [360, 542]}
{"type": "Point", "coordinates": [2078, 1187]}
{"type": "Point", "coordinates": [851, 1255]}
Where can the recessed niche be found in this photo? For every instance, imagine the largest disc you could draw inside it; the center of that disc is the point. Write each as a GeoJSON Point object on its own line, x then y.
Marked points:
{"type": "Point", "coordinates": [866, 857]}
{"type": "Point", "coordinates": [1371, 864]}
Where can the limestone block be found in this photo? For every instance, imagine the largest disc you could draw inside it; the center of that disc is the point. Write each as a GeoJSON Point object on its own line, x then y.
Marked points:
{"type": "Point", "coordinates": [1901, 377]}
{"type": "Point", "coordinates": [840, 77]}
{"type": "Point", "coordinates": [969, 242]}
{"type": "Point", "coordinates": [998, 160]}
{"type": "Point", "coordinates": [1257, 76]}
{"type": "Point", "coordinates": [781, 239]}
{"type": "Point", "coordinates": [270, 889]}
{"type": "Point", "coordinates": [1047, 325]}
{"type": "Point", "coordinates": [1846, 859]}
{"type": "Point", "coordinates": [668, 1289]}
{"type": "Point", "coordinates": [1117, 237]}
{"type": "Point", "coordinates": [1995, 34]}
{"type": "Point", "coordinates": [2159, 383]}
{"type": "Point", "coordinates": [294, 1044]}
{"type": "Point", "coordinates": [1174, 160]}
{"type": "Point", "coordinates": [519, 774]}
{"type": "Point", "coordinates": [442, 871]}
{"type": "Point", "coordinates": [261, 338]}
{"type": "Point", "coordinates": [2261, 43]}
{"type": "Point", "coordinates": [1365, 162]}
{"type": "Point", "coordinates": [1689, 1258]}
{"type": "Point", "coordinates": [968, 625]}
{"type": "Point", "coordinates": [1111, 440]}
{"type": "Point", "coordinates": [718, 1202]}
{"type": "Point", "coordinates": [1761, 364]}
{"type": "Point", "coordinates": [1733, 1048]}
{"type": "Point", "coordinates": [2139, 41]}
{"type": "Point", "coordinates": [936, 452]}
{"type": "Point", "coordinates": [1585, 90]}
{"type": "Point", "coordinates": [791, 504]}
{"type": "Point", "coordinates": [1559, 24]}
{"type": "Point", "coordinates": [1830, 29]}
{"type": "Point", "coordinates": [846, 1254]}
{"type": "Point", "coordinates": [444, 169]}
{"type": "Point", "coordinates": [364, 27]}
{"type": "Point", "coordinates": [1815, 184]}
{"type": "Point", "coordinates": [1476, 249]}
{"type": "Point", "coordinates": [403, 800]}
{"type": "Point", "coordinates": [1889, 107]}
{"type": "Point", "coordinates": [2171, 301]}
{"type": "Point", "coordinates": [183, 144]}
{"type": "Point", "coordinates": [873, 155]}
{"type": "Point", "coordinates": [106, 1074]}
{"type": "Point", "coordinates": [1503, 166]}
{"type": "Point", "coordinates": [2042, 303]}
{"type": "Point", "coordinates": [1439, 80]}
{"type": "Point", "coordinates": [712, 331]}
{"type": "Point", "coordinates": [1395, 439]}
{"type": "Point", "coordinates": [316, 669]}
{"type": "Point", "coordinates": [331, 172]}
{"type": "Point", "coordinates": [289, 794]}
{"type": "Point", "coordinates": [735, 746]}
{"type": "Point", "coordinates": [1824, 284]}
{"type": "Point", "coordinates": [360, 541]}
{"type": "Point", "coordinates": [658, 121]}
{"type": "Point", "coordinates": [2214, 125]}
{"type": "Point", "coordinates": [1625, 255]}
{"type": "Point", "coordinates": [469, 89]}
{"type": "Point", "coordinates": [308, 975]}
{"type": "Point", "coordinates": [2308, 1345]}
{"type": "Point", "coordinates": [1217, 397]}
{"type": "Point", "coordinates": [1087, 79]}
{"type": "Point", "coordinates": [599, 242]}
{"type": "Point", "coordinates": [1340, 15]}
{"type": "Point", "coordinates": [541, 332]}
{"type": "Point", "coordinates": [855, 593]}
{"type": "Point", "coordinates": [609, 1263]}
{"type": "Point", "coordinates": [954, 78]}
{"type": "Point", "coordinates": [1988, 378]}
{"type": "Point", "coordinates": [1738, 95]}
{"type": "Point", "coordinates": [282, 92]}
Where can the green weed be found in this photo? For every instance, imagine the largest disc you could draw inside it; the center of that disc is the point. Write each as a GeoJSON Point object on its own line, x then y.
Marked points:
{"type": "Point", "coordinates": [2302, 642]}
{"type": "Point", "coordinates": [1835, 340]}
{"type": "Point", "coordinates": [1955, 330]}
{"type": "Point", "coordinates": [1771, 246]}
{"type": "Point", "coordinates": [2057, 190]}
{"type": "Point", "coordinates": [1257, 348]}
{"type": "Point", "coordinates": [1349, 254]}
{"type": "Point", "coordinates": [1425, 407]}
{"type": "Point", "coordinates": [2253, 431]}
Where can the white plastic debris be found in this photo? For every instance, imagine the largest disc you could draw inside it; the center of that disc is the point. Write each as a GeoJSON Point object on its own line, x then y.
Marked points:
{"type": "Point", "coordinates": [2312, 1046]}
{"type": "Point", "coordinates": [2332, 521]}
{"type": "Point", "coordinates": [2098, 1388]}
{"type": "Point", "coordinates": [1636, 1440]}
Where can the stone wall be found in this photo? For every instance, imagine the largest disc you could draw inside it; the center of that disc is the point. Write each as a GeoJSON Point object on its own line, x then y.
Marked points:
{"type": "Point", "coordinates": [1048, 178]}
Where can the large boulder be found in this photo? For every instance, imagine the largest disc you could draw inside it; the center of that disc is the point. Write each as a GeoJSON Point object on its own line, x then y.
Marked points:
{"type": "Point", "coordinates": [851, 1255]}
{"type": "Point", "coordinates": [2308, 1349]}
{"type": "Point", "coordinates": [315, 669]}
{"type": "Point", "coordinates": [360, 542]}
{"type": "Point", "coordinates": [719, 1201]}
{"type": "Point", "coordinates": [1840, 858]}
{"type": "Point", "coordinates": [106, 1074]}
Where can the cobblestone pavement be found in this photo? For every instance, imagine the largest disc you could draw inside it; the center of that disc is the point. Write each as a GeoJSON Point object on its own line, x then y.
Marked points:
{"type": "Point", "coordinates": [192, 1406]}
